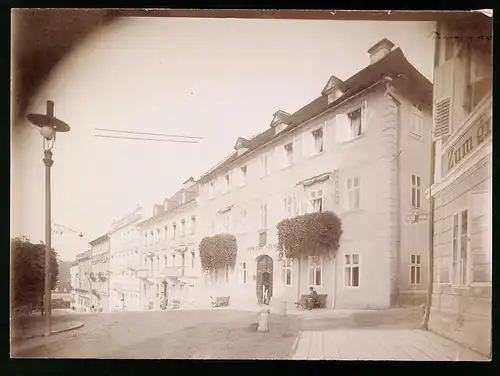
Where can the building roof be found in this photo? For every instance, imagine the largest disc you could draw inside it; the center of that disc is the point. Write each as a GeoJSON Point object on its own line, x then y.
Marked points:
{"type": "Point", "coordinates": [404, 76]}
{"type": "Point", "coordinates": [100, 239]}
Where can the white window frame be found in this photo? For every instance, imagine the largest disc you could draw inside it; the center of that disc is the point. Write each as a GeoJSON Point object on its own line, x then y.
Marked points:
{"type": "Point", "coordinates": [318, 150]}
{"type": "Point", "coordinates": [417, 121]}
{"type": "Point", "coordinates": [416, 192]}
{"type": "Point", "coordinates": [183, 227]}
{"type": "Point", "coordinates": [350, 265]}
{"type": "Point", "coordinates": [415, 269]}
{"type": "Point", "coordinates": [460, 269]}
{"type": "Point", "coordinates": [317, 198]}
{"type": "Point", "coordinates": [263, 217]}
{"type": "Point", "coordinates": [211, 189]}
{"type": "Point", "coordinates": [288, 272]}
{"type": "Point", "coordinates": [315, 268]}
{"type": "Point", "coordinates": [227, 182]}
{"type": "Point", "coordinates": [264, 165]}
{"type": "Point", "coordinates": [243, 174]}
{"type": "Point", "coordinates": [353, 134]}
{"type": "Point", "coordinates": [350, 191]}
{"type": "Point", "coordinates": [193, 225]}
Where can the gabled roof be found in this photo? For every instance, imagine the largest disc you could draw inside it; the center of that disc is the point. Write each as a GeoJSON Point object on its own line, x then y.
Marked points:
{"type": "Point", "coordinates": [333, 82]}
{"type": "Point", "coordinates": [240, 143]}
{"type": "Point", "coordinates": [404, 76]}
{"type": "Point", "coordinates": [280, 117]}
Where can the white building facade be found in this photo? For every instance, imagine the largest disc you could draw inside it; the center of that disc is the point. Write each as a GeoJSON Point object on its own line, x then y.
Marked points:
{"type": "Point", "coordinates": [100, 272]}
{"type": "Point", "coordinates": [462, 288]}
{"type": "Point", "coordinates": [125, 262]}
{"type": "Point", "coordinates": [361, 150]}
{"type": "Point", "coordinates": [168, 252]}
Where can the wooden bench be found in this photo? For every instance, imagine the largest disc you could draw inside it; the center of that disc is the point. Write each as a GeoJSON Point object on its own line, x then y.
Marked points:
{"type": "Point", "coordinates": [320, 302]}
{"type": "Point", "coordinates": [221, 301]}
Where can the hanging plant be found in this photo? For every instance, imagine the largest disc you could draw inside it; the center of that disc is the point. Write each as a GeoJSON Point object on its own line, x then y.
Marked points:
{"type": "Point", "coordinates": [218, 251]}
{"type": "Point", "coordinates": [310, 234]}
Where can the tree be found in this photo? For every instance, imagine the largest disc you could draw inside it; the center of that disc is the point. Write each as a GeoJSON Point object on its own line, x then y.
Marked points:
{"type": "Point", "coordinates": [218, 251]}
{"type": "Point", "coordinates": [310, 234]}
{"type": "Point", "coordinates": [28, 271]}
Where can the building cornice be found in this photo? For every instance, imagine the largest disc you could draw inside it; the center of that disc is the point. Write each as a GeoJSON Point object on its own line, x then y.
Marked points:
{"type": "Point", "coordinates": [167, 214]}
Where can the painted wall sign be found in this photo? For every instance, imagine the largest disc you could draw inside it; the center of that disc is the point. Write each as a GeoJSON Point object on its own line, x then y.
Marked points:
{"type": "Point", "coordinates": [267, 246]}
{"type": "Point", "coordinates": [476, 135]}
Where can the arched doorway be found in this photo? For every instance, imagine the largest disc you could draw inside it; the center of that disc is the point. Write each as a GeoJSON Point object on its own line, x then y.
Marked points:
{"type": "Point", "coordinates": [264, 275]}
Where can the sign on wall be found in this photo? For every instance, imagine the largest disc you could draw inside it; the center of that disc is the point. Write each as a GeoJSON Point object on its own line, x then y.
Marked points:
{"type": "Point", "coordinates": [477, 134]}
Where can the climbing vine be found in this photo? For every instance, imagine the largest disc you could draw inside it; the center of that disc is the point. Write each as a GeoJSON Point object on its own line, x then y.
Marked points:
{"type": "Point", "coordinates": [218, 251]}
{"type": "Point", "coordinates": [310, 234]}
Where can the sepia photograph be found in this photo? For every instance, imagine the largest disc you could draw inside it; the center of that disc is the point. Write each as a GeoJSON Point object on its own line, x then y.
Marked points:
{"type": "Point", "coordinates": [265, 185]}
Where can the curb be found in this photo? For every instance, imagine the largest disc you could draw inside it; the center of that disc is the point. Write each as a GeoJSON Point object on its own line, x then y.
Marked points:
{"type": "Point", "coordinates": [74, 326]}
{"type": "Point", "coordinates": [295, 345]}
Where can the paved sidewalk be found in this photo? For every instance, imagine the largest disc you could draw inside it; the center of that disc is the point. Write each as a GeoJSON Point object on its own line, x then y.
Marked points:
{"type": "Point", "coordinates": [28, 327]}
{"type": "Point", "coordinates": [380, 344]}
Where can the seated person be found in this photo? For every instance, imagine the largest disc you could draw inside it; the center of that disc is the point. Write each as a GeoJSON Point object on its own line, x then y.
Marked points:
{"type": "Point", "coordinates": [312, 299]}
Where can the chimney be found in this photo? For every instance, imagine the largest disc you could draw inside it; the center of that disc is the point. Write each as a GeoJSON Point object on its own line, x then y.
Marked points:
{"type": "Point", "coordinates": [380, 50]}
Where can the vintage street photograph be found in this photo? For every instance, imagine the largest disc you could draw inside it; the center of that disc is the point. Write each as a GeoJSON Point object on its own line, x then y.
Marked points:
{"type": "Point", "coordinates": [299, 185]}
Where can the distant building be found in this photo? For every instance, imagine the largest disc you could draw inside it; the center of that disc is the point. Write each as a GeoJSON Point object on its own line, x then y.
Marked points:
{"type": "Point", "coordinates": [362, 150]}
{"type": "Point", "coordinates": [100, 272]}
{"type": "Point", "coordinates": [169, 253]}
{"type": "Point", "coordinates": [82, 288]}
{"type": "Point", "coordinates": [64, 279]}
{"type": "Point", "coordinates": [461, 300]}
{"type": "Point", "coordinates": [125, 261]}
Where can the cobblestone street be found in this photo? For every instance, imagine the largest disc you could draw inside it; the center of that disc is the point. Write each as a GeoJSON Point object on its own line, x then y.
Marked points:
{"type": "Point", "coordinates": [216, 333]}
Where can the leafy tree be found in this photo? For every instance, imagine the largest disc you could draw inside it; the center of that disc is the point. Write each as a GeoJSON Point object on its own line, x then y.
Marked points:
{"type": "Point", "coordinates": [28, 271]}
{"type": "Point", "coordinates": [218, 251]}
{"type": "Point", "coordinates": [310, 234]}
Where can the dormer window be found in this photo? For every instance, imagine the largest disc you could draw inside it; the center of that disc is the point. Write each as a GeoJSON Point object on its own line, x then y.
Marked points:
{"type": "Point", "coordinates": [280, 127]}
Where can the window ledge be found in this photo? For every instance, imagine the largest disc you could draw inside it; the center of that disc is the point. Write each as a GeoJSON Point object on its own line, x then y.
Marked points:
{"type": "Point", "coordinates": [351, 287]}
{"type": "Point", "coordinates": [353, 139]}
{"type": "Point", "coordinates": [417, 137]}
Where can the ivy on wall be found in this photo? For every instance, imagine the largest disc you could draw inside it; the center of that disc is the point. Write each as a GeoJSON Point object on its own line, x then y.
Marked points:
{"type": "Point", "coordinates": [310, 234]}
{"type": "Point", "coordinates": [218, 251]}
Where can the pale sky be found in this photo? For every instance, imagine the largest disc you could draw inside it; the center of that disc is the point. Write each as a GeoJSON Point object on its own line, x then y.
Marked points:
{"type": "Point", "coordinates": [214, 78]}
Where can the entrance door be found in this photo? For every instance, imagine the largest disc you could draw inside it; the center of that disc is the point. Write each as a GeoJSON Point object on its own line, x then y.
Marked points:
{"type": "Point", "coordinates": [264, 276]}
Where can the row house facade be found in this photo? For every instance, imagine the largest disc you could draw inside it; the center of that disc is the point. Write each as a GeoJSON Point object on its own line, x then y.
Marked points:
{"type": "Point", "coordinates": [462, 190]}
{"type": "Point", "coordinates": [100, 272]}
{"type": "Point", "coordinates": [361, 150]}
{"type": "Point", "coordinates": [81, 294]}
{"type": "Point", "coordinates": [125, 262]}
{"type": "Point", "coordinates": [168, 252]}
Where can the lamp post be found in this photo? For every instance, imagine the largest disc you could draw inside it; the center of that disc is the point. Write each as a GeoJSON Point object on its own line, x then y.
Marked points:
{"type": "Point", "coordinates": [49, 126]}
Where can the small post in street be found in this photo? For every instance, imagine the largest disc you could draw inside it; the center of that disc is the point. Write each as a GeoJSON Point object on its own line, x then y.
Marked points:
{"type": "Point", "coordinates": [49, 126]}
{"type": "Point", "coordinates": [264, 320]}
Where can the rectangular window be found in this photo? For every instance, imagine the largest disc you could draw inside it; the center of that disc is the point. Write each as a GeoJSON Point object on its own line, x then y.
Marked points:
{"type": "Point", "coordinates": [244, 271]}
{"type": "Point", "coordinates": [417, 121]}
{"type": "Point", "coordinates": [353, 194]}
{"type": "Point", "coordinates": [351, 270]}
{"type": "Point", "coordinates": [318, 140]}
{"type": "Point", "coordinates": [192, 259]}
{"type": "Point", "coordinates": [355, 126]}
{"type": "Point", "coordinates": [464, 226]}
{"type": "Point", "coordinates": [317, 200]}
{"type": "Point", "coordinates": [227, 182]}
{"type": "Point", "coordinates": [288, 154]}
{"type": "Point", "coordinates": [289, 207]}
{"type": "Point", "coordinates": [174, 227]}
{"type": "Point", "coordinates": [315, 271]}
{"type": "Point", "coordinates": [183, 227]}
{"type": "Point", "coordinates": [262, 238]}
{"type": "Point", "coordinates": [454, 250]}
{"type": "Point", "coordinates": [415, 269]}
{"type": "Point", "coordinates": [415, 191]}
{"type": "Point", "coordinates": [165, 261]}
{"type": "Point", "coordinates": [242, 221]}
{"type": "Point", "coordinates": [263, 217]}
{"type": "Point", "coordinates": [211, 189]}
{"type": "Point", "coordinates": [287, 272]}
{"type": "Point", "coordinates": [243, 175]}
{"type": "Point", "coordinates": [264, 165]}
{"type": "Point", "coordinates": [193, 224]}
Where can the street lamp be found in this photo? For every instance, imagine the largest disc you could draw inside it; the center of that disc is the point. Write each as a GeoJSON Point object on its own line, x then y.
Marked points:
{"type": "Point", "coordinates": [49, 126]}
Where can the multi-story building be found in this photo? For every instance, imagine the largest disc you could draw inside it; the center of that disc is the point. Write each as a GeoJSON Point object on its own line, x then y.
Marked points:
{"type": "Point", "coordinates": [168, 249]}
{"type": "Point", "coordinates": [100, 272]}
{"type": "Point", "coordinates": [362, 150]}
{"type": "Point", "coordinates": [124, 262]}
{"type": "Point", "coordinates": [82, 283]}
{"type": "Point", "coordinates": [461, 299]}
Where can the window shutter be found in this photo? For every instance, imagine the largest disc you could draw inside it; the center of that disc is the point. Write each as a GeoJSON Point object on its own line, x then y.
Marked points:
{"type": "Point", "coordinates": [443, 92]}
{"type": "Point", "coordinates": [480, 235]}
{"type": "Point", "coordinates": [328, 133]}
{"type": "Point", "coordinates": [364, 117]}
{"type": "Point", "coordinates": [341, 127]}
{"type": "Point", "coordinates": [306, 144]}
{"type": "Point", "coordinates": [442, 118]}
